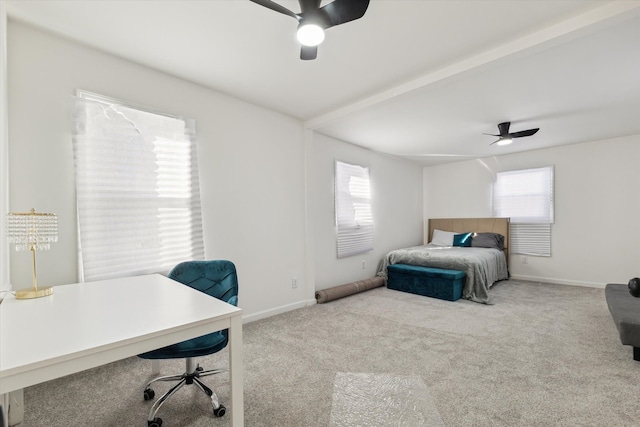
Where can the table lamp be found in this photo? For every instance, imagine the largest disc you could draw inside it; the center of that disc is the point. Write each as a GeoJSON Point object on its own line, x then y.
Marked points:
{"type": "Point", "coordinates": [32, 231]}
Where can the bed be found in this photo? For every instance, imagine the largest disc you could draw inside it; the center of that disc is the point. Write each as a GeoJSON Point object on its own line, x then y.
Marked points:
{"type": "Point", "coordinates": [483, 266]}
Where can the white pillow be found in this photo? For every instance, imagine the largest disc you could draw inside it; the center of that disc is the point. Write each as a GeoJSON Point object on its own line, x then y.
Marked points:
{"type": "Point", "coordinates": [442, 238]}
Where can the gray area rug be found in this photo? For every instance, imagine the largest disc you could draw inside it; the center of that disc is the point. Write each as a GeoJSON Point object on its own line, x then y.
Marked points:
{"type": "Point", "coordinates": [543, 355]}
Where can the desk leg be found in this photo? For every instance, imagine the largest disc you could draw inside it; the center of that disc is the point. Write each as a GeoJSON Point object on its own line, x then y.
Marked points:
{"type": "Point", "coordinates": [12, 408]}
{"type": "Point", "coordinates": [236, 372]}
{"type": "Point", "coordinates": [4, 410]}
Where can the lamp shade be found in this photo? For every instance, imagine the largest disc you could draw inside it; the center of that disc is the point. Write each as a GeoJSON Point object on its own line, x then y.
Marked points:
{"type": "Point", "coordinates": [32, 230]}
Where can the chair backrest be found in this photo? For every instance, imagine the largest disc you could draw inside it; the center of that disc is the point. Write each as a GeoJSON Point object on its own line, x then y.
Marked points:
{"type": "Point", "coordinates": [217, 278]}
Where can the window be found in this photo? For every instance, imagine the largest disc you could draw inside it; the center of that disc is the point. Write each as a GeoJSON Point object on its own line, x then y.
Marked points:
{"type": "Point", "coordinates": [137, 189]}
{"type": "Point", "coordinates": [353, 209]}
{"type": "Point", "coordinates": [526, 196]}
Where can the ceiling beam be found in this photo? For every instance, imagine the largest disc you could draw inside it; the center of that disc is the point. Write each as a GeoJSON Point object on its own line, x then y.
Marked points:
{"type": "Point", "coordinates": [585, 23]}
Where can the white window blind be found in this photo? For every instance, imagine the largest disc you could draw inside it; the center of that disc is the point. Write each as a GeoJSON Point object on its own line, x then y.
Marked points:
{"type": "Point", "coordinates": [137, 189]}
{"type": "Point", "coordinates": [530, 239]}
{"type": "Point", "coordinates": [353, 209]}
{"type": "Point", "coordinates": [526, 196]}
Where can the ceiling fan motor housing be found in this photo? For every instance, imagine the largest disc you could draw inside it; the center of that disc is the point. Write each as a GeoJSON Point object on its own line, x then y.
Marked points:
{"type": "Point", "coordinates": [503, 128]}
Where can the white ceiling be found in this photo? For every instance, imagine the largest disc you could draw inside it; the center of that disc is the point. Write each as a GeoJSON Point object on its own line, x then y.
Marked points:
{"type": "Point", "coordinates": [419, 79]}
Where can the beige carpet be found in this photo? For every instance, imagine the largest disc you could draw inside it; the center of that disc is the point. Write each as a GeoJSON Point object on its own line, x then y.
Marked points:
{"type": "Point", "coordinates": [543, 355]}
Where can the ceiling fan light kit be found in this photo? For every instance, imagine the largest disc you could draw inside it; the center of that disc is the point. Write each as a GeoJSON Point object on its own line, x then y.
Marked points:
{"type": "Point", "coordinates": [313, 19]}
{"type": "Point", "coordinates": [310, 34]}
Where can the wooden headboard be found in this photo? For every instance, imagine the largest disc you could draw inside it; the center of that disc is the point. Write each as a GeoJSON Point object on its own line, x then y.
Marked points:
{"type": "Point", "coordinates": [466, 225]}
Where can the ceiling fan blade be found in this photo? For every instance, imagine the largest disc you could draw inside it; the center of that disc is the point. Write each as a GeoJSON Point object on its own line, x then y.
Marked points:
{"type": "Point", "coordinates": [308, 52]}
{"type": "Point", "coordinates": [340, 11]}
{"type": "Point", "coordinates": [491, 134]}
{"type": "Point", "coordinates": [524, 133]}
{"type": "Point", "coordinates": [496, 141]}
{"type": "Point", "coordinates": [434, 155]}
{"type": "Point", "coordinates": [275, 6]}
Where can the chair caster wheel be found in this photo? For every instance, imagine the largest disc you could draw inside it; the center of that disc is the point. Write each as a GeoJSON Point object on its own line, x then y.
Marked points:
{"type": "Point", "coordinates": [148, 395]}
{"type": "Point", "coordinates": [220, 411]}
{"type": "Point", "coordinates": [157, 422]}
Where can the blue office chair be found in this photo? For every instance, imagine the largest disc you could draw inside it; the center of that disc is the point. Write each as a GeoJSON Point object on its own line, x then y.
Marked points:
{"type": "Point", "coordinates": [218, 279]}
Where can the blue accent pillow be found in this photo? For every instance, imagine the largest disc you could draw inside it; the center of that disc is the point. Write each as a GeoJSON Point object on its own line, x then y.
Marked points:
{"type": "Point", "coordinates": [463, 240]}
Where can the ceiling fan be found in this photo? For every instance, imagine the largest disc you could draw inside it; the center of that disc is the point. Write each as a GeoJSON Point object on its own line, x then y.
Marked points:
{"type": "Point", "coordinates": [313, 19]}
{"type": "Point", "coordinates": [505, 138]}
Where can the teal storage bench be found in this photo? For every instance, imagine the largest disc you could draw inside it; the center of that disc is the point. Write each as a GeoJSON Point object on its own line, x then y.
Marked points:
{"type": "Point", "coordinates": [427, 281]}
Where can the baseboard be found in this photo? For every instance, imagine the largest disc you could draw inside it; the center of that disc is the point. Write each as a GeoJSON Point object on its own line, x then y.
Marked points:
{"type": "Point", "coordinates": [559, 281]}
{"type": "Point", "coordinates": [277, 310]}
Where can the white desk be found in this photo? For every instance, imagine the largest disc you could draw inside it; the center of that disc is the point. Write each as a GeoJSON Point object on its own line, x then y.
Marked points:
{"type": "Point", "coordinates": [85, 325]}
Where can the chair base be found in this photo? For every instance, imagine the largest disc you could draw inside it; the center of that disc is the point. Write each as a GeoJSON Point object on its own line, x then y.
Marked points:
{"type": "Point", "coordinates": [192, 375]}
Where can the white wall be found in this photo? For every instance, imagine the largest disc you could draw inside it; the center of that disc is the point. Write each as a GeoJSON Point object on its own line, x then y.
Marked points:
{"type": "Point", "coordinates": [396, 187]}
{"type": "Point", "coordinates": [251, 164]}
{"type": "Point", "coordinates": [594, 239]}
{"type": "Point", "coordinates": [266, 184]}
{"type": "Point", "coordinates": [4, 154]}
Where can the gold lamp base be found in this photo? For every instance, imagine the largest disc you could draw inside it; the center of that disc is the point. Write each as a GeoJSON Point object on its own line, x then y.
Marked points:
{"type": "Point", "coordinates": [29, 293]}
